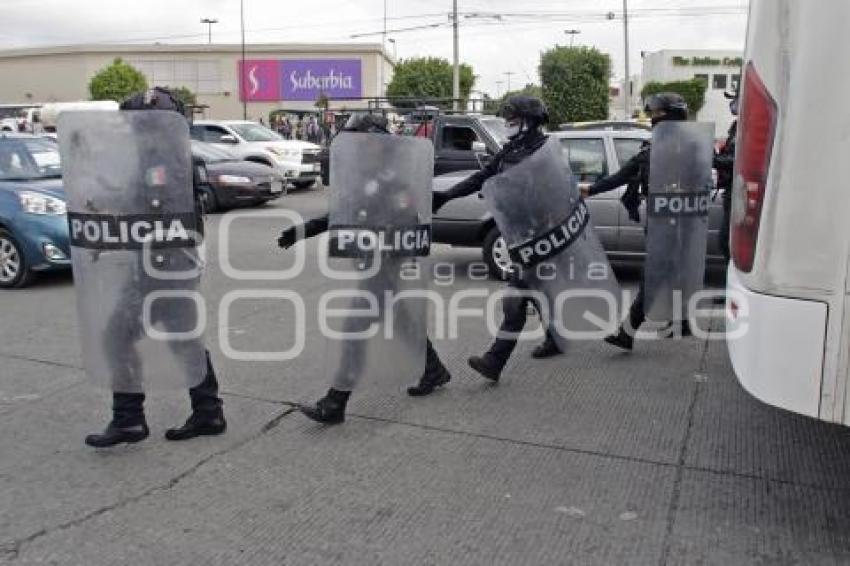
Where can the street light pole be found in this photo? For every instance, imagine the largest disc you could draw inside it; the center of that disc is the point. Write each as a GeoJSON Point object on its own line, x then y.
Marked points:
{"type": "Point", "coordinates": [209, 22]}
{"type": "Point", "coordinates": [627, 86]}
{"type": "Point", "coordinates": [381, 87]}
{"type": "Point", "coordinates": [242, 67]}
{"type": "Point", "coordinates": [456, 68]}
{"type": "Point", "coordinates": [395, 48]}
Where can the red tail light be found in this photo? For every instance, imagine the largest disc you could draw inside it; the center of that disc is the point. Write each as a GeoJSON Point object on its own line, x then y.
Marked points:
{"type": "Point", "coordinates": [757, 128]}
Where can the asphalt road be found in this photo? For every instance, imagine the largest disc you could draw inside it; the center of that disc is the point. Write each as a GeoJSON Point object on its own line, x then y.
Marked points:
{"type": "Point", "coordinates": [595, 457]}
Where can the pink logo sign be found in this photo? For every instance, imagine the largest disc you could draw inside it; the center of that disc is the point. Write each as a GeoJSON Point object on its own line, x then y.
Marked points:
{"type": "Point", "coordinates": [260, 80]}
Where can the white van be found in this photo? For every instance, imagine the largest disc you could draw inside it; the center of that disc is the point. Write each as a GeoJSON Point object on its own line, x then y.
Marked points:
{"type": "Point", "coordinates": [49, 113]}
{"type": "Point", "coordinates": [789, 279]}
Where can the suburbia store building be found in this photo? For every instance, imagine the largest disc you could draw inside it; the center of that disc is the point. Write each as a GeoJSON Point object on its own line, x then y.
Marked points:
{"type": "Point", "coordinates": [274, 76]}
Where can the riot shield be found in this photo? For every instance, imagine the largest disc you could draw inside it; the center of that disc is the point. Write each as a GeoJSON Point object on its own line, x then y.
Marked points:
{"type": "Point", "coordinates": [547, 227]}
{"type": "Point", "coordinates": [380, 223]}
{"type": "Point", "coordinates": [132, 222]}
{"type": "Point", "coordinates": [677, 217]}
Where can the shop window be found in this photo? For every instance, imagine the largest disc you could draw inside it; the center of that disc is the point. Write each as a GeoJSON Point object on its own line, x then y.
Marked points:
{"type": "Point", "coordinates": [719, 82]}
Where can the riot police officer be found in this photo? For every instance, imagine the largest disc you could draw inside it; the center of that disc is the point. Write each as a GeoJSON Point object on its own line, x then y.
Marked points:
{"type": "Point", "coordinates": [724, 162]}
{"type": "Point", "coordinates": [525, 117]}
{"type": "Point", "coordinates": [330, 409]}
{"type": "Point", "coordinates": [635, 175]}
{"type": "Point", "coordinates": [123, 333]}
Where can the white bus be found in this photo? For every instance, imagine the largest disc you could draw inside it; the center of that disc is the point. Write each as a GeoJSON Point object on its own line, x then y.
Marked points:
{"type": "Point", "coordinates": [789, 279]}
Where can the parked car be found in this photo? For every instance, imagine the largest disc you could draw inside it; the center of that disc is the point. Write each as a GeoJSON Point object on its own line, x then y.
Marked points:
{"type": "Point", "coordinates": [607, 125]}
{"type": "Point", "coordinates": [224, 181]}
{"type": "Point", "coordinates": [295, 161]}
{"type": "Point", "coordinates": [33, 222]}
{"type": "Point", "coordinates": [592, 154]}
{"type": "Point", "coordinates": [787, 314]}
{"type": "Point", "coordinates": [461, 141]}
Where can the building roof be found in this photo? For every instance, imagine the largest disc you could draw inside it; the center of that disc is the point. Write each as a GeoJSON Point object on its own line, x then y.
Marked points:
{"type": "Point", "coordinates": [116, 48]}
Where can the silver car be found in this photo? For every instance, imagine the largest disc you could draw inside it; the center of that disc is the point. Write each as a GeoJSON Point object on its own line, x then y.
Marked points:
{"type": "Point", "coordinates": [592, 154]}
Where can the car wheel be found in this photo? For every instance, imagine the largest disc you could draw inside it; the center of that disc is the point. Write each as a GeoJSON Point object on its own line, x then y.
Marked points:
{"type": "Point", "coordinates": [496, 255]}
{"type": "Point", "coordinates": [208, 201]}
{"type": "Point", "coordinates": [14, 272]}
{"type": "Point", "coordinates": [304, 184]}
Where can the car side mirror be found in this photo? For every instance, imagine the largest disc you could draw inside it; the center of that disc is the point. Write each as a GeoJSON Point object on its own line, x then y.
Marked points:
{"type": "Point", "coordinates": [479, 147]}
{"type": "Point", "coordinates": [227, 138]}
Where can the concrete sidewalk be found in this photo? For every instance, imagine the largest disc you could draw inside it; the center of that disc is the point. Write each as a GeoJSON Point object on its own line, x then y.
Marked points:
{"type": "Point", "coordinates": [596, 457]}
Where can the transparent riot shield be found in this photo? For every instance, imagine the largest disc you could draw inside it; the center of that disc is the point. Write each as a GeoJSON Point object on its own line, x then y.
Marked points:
{"type": "Point", "coordinates": [132, 223]}
{"type": "Point", "coordinates": [547, 227]}
{"type": "Point", "coordinates": [677, 217]}
{"type": "Point", "coordinates": [380, 223]}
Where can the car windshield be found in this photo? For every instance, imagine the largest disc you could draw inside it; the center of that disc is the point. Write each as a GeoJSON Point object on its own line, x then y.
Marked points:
{"type": "Point", "coordinates": [28, 158]}
{"type": "Point", "coordinates": [210, 153]}
{"type": "Point", "coordinates": [255, 132]}
{"type": "Point", "coordinates": [496, 128]}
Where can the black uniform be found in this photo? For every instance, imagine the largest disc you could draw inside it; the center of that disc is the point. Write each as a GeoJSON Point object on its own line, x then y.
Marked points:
{"type": "Point", "coordinates": [724, 162]}
{"type": "Point", "coordinates": [514, 308]}
{"type": "Point", "coordinates": [128, 418]}
{"type": "Point", "coordinates": [634, 174]}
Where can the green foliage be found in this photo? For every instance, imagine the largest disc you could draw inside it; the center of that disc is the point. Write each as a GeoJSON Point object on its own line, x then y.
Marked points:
{"type": "Point", "coordinates": [427, 77]}
{"type": "Point", "coordinates": [693, 91]}
{"type": "Point", "coordinates": [116, 82]}
{"type": "Point", "coordinates": [575, 84]}
{"type": "Point", "coordinates": [184, 95]}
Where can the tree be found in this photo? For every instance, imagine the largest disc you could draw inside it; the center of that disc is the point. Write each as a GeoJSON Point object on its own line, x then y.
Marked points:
{"type": "Point", "coordinates": [693, 91]}
{"type": "Point", "coordinates": [428, 78]}
{"type": "Point", "coordinates": [116, 82]}
{"type": "Point", "coordinates": [575, 83]}
{"type": "Point", "coordinates": [184, 95]}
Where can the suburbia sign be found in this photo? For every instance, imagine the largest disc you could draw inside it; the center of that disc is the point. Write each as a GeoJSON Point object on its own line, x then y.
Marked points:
{"type": "Point", "coordinates": [304, 79]}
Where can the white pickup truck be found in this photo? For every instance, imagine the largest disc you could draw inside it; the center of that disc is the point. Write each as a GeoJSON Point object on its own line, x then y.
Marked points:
{"type": "Point", "coordinates": [295, 161]}
{"type": "Point", "coordinates": [788, 307]}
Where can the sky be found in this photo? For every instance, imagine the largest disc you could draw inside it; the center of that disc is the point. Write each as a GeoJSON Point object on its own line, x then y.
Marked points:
{"type": "Point", "coordinates": [496, 36]}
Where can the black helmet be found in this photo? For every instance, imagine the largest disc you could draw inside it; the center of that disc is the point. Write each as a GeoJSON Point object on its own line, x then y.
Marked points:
{"type": "Point", "coordinates": [157, 98]}
{"type": "Point", "coordinates": [366, 123]}
{"type": "Point", "coordinates": [528, 109]}
{"type": "Point", "coordinates": [672, 104]}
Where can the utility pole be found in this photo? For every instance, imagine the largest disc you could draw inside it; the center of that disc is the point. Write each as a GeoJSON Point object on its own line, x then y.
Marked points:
{"type": "Point", "coordinates": [572, 33]}
{"type": "Point", "coordinates": [242, 67]}
{"type": "Point", "coordinates": [508, 74]}
{"type": "Point", "coordinates": [627, 86]}
{"type": "Point", "coordinates": [456, 68]}
{"type": "Point", "coordinates": [381, 87]}
{"type": "Point", "coordinates": [209, 22]}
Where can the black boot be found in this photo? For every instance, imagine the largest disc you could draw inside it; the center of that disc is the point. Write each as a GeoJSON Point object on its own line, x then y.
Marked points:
{"type": "Point", "coordinates": [435, 375]}
{"type": "Point", "coordinates": [547, 349]}
{"type": "Point", "coordinates": [429, 382]}
{"type": "Point", "coordinates": [330, 409]}
{"type": "Point", "coordinates": [622, 339]}
{"type": "Point", "coordinates": [199, 423]}
{"type": "Point", "coordinates": [128, 422]}
{"type": "Point", "coordinates": [487, 365]}
{"type": "Point", "coordinates": [115, 434]}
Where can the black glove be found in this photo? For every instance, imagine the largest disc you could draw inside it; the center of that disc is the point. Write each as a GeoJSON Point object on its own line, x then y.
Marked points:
{"type": "Point", "coordinates": [631, 200]}
{"type": "Point", "coordinates": [287, 238]}
{"type": "Point", "coordinates": [438, 201]}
